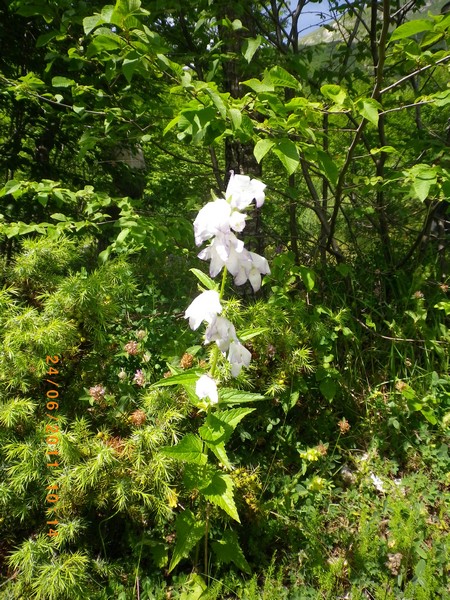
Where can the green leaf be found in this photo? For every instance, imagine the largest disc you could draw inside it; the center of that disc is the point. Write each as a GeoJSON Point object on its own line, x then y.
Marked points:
{"type": "Point", "coordinates": [308, 277]}
{"type": "Point", "coordinates": [62, 82]}
{"type": "Point", "coordinates": [219, 426]}
{"type": "Point", "coordinates": [189, 449]}
{"type": "Point", "coordinates": [385, 149]}
{"type": "Point", "coordinates": [209, 283]}
{"type": "Point", "coordinates": [441, 98]}
{"type": "Point", "coordinates": [328, 165]}
{"type": "Point", "coordinates": [328, 387]}
{"type": "Point", "coordinates": [219, 451]}
{"type": "Point", "coordinates": [231, 396]}
{"type": "Point", "coordinates": [229, 551]}
{"type": "Point", "coordinates": [250, 46]}
{"type": "Point", "coordinates": [186, 378]}
{"type": "Point", "coordinates": [129, 67]}
{"type": "Point", "coordinates": [90, 23]}
{"type": "Point", "coordinates": [11, 187]}
{"type": "Point", "coordinates": [46, 37]}
{"type": "Point", "coordinates": [248, 334]}
{"type": "Point", "coordinates": [288, 154]}
{"type": "Point", "coordinates": [58, 217]}
{"type": "Point", "coordinates": [280, 77]}
{"type": "Point", "coordinates": [368, 108]}
{"type": "Point", "coordinates": [218, 102]}
{"type": "Point", "coordinates": [423, 178]}
{"type": "Point", "coordinates": [220, 492]}
{"type": "Point", "coordinates": [194, 589]}
{"type": "Point", "coordinates": [411, 28]}
{"type": "Point", "coordinates": [257, 86]}
{"type": "Point", "coordinates": [189, 531]}
{"type": "Point", "coordinates": [334, 92]}
{"type": "Point", "coordinates": [261, 148]}
{"type": "Point", "coordinates": [236, 117]}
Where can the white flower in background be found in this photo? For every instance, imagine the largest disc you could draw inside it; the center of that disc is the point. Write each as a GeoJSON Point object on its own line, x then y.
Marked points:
{"type": "Point", "coordinates": [203, 308]}
{"type": "Point", "coordinates": [377, 482]}
{"type": "Point", "coordinates": [238, 357]}
{"type": "Point", "coordinates": [206, 387]}
{"type": "Point", "coordinates": [241, 190]}
{"type": "Point", "coordinates": [252, 269]}
{"type": "Point", "coordinates": [221, 331]}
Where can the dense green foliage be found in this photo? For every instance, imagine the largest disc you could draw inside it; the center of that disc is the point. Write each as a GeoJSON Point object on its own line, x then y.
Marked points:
{"type": "Point", "coordinates": [324, 472]}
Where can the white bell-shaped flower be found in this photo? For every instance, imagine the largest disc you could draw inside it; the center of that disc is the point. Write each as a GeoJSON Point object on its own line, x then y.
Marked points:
{"type": "Point", "coordinates": [252, 269]}
{"type": "Point", "coordinates": [242, 190]}
{"type": "Point", "coordinates": [203, 308]}
{"type": "Point", "coordinates": [206, 387]}
{"type": "Point", "coordinates": [238, 357]}
{"type": "Point", "coordinates": [221, 331]}
{"type": "Point", "coordinates": [225, 250]}
{"type": "Point", "coordinates": [215, 218]}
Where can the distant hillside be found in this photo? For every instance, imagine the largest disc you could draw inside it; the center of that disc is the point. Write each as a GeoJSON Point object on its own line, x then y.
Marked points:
{"type": "Point", "coordinates": [324, 35]}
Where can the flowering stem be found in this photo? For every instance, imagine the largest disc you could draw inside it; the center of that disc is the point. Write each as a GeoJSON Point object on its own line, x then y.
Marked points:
{"type": "Point", "coordinates": [216, 351]}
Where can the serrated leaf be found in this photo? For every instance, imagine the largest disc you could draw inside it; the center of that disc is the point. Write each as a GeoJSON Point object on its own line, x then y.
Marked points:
{"type": "Point", "coordinates": [219, 451]}
{"type": "Point", "coordinates": [189, 531]}
{"type": "Point", "coordinates": [228, 550]}
{"type": "Point", "coordinates": [219, 426]}
{"type": "Point", "coordinates": [220, 492]}
{"type": "Point", "coordinates": [411, 28]}
{"type": "Point", "coordinates": [204, 279]}
{"type": "Point", "coordinates": [231, 396]}
{"type": "Point", "coordinates": [250, 46]}
{"type": "Point", "coordinates": [287, 152]}
{"type": "Point", "coordinates": [189, 449]}
{"type": "Point", "coordinates": [261, 148]}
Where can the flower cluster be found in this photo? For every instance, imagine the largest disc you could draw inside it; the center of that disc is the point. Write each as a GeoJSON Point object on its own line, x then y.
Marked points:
{"type": "Point", "coordinates": [218, 222]}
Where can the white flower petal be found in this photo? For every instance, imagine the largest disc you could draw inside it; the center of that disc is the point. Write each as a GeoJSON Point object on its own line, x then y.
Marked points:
{"type": "Point", "coordinates": [241, 190]}
{"type": "Point", "coordinates": [255, 279]}
{"type": "Point", "coordinates": [221, 331]}
{"type": "Point", "coordinates": [203, 308]}
{"type": "Point", "coordinates": [213, 218]}
{"type": "Point", "coordinates": [206, 387]}
{"type": "Point", "coordinates": [238, 357]}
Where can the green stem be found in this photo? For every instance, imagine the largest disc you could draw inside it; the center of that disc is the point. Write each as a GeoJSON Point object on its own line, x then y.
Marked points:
{"type": "Point", "coordinates": [206, 543]}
